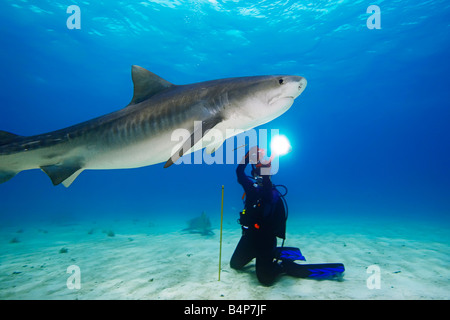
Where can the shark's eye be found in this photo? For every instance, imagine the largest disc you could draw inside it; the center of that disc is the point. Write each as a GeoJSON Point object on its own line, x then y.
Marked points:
{"type": "Point", "coordinates": [281, 81]}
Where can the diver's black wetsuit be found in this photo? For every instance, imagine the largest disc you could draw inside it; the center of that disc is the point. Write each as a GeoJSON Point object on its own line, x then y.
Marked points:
{"type": "Point", "coordinates": [263, 220]}
{"type": "Point", "coordinates": [266, 221]}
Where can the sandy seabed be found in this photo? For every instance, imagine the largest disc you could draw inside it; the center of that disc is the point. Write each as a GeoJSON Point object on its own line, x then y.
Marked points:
{"type": "Point", "coordinates": [137, 259]}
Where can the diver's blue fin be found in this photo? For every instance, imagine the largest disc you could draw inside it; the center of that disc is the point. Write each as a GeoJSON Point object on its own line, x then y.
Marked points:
{"type": "Point", "coordinates": [325, 271]}
{"type": "Point", "coordinates": [321, 271]}
{"type": "Point", "coordinates": [289, 253]}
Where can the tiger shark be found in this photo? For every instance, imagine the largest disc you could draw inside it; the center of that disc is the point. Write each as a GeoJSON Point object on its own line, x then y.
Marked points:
{"type": "Point", "coordinates": [141, 133]}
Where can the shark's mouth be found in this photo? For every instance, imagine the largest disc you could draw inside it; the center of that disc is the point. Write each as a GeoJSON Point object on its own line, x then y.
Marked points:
{"type": "Point", "coordinates": [277, 99]}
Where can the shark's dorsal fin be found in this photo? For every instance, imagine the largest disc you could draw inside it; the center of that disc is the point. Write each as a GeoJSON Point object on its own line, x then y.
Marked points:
{"type": "Point", "coordinates": [146, 84]}
{"type": "Point", "coordinates": [7, 137]}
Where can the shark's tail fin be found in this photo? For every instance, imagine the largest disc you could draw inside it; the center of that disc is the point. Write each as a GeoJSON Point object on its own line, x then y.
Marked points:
{"type": "Point", "coordinates": [6, 138]}
{"type": "Point", "coordinates": [65, 172]}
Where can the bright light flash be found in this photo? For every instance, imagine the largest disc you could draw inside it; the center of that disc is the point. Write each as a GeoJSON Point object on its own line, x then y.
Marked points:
{"type": "Point", "coordinates": [280, 145]}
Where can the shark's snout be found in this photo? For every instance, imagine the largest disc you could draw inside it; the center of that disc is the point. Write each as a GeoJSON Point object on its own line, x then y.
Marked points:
{"type": "Point", "coordinates": [297, 85]}
{"type": "Point", "coordinates": [302, 84]}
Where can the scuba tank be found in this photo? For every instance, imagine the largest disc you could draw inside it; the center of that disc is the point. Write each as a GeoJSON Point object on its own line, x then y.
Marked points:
{"type": "Point", "coordinates": [257, 215]}
{"type": "Point", "coordinates": [264, 216]}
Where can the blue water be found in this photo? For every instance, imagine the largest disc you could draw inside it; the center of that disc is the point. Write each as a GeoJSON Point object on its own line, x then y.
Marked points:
{"type": "Point", "coordinates": [370, 133]}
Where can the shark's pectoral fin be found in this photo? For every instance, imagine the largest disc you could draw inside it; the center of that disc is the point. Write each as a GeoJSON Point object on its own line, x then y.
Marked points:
{"type": "Point", "coordinates": [211, 148]}
{"type": "Point", "coordinates": [64, 173]}
{"type": "Point", "coordinates": [195, 137]}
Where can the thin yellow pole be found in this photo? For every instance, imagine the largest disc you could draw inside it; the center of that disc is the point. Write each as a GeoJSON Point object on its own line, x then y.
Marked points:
{"type": "Point", "coordinates": [221, 225]}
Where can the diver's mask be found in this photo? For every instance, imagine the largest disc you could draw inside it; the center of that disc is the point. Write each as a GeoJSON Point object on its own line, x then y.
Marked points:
{"type": "Point", "coordinates": [256, 167]}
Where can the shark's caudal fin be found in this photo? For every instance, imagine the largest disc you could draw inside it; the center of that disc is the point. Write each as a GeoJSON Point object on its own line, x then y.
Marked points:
{"type": "Point", "coordinates": [64, 173]}
{"type": "Point", "coordinates": [6, 138]}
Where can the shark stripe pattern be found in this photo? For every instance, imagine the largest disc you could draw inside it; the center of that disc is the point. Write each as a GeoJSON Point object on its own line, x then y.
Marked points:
{"type": "Point", "coordinates": [140, 134]}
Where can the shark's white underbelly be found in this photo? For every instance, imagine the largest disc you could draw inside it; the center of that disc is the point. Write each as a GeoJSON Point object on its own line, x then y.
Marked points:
{"type": "Point", "coordinates": [136, 155]}
{"type": "Point", "coordinates": [158, 150]}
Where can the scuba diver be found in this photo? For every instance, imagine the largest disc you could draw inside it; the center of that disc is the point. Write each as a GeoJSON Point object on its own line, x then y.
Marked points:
{"type": "Point", "coordinates": [259, 222]}
{"type": "Point", "coordinates": [263, 219]}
